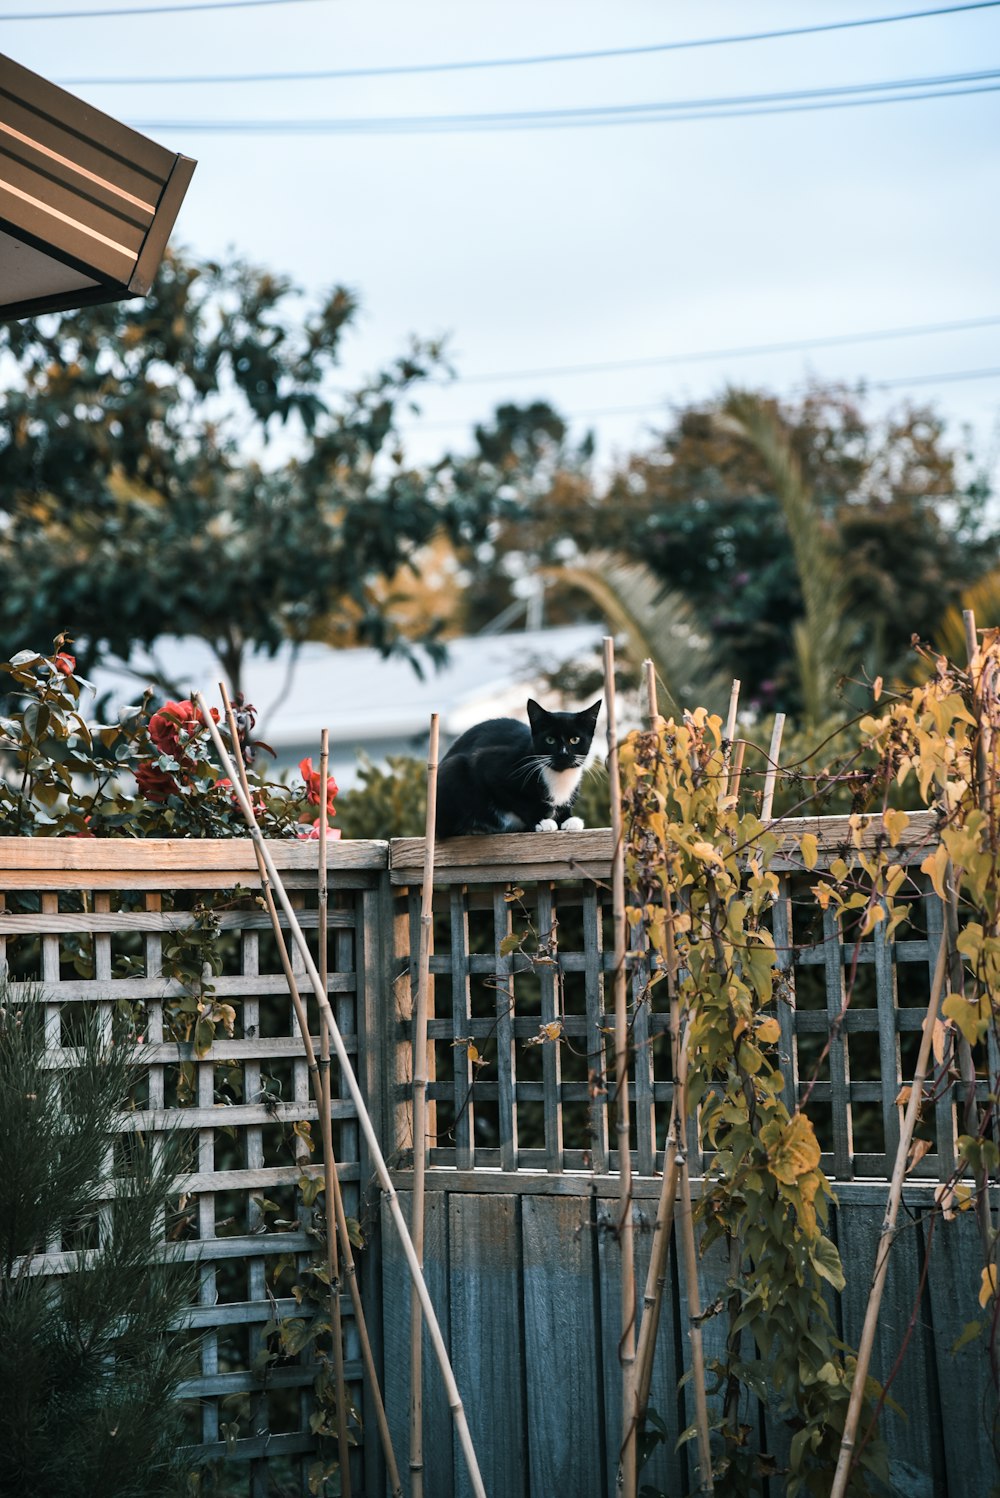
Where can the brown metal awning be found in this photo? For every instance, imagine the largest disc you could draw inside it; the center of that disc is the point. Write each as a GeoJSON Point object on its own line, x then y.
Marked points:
{"type": "Point", "coordinates": [86, 204]}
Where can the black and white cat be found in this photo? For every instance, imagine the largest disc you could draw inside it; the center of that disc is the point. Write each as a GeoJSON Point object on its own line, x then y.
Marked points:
{"type": "Point", "coordinates": [504, 776]}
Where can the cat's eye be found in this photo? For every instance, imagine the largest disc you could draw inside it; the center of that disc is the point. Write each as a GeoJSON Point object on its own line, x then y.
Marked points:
{"type": "Point", "coordinates": [549, 739]}
{"type": "Point", "coordinates": [574, 738]}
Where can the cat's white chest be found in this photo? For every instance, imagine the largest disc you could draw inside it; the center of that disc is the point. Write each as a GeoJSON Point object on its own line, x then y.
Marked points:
{"type": "Point", "coordinates": [560, 784]}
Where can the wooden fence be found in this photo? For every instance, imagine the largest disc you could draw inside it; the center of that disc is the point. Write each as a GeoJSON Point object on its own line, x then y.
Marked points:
{"type": "Point", "coordinates": [520, 1251]}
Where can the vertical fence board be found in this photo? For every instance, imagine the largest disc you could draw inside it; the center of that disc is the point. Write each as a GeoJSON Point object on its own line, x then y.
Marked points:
{"type": "Point", "coordinates": [562, 1350]}
{"type": "Point", "coordinates": [487, 1337]}
{"type": "Point", "coordinates": [913, 1439]}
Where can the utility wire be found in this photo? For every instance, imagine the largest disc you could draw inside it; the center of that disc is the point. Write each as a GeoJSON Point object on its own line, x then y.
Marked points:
{"type": "Point", "coordinates": [517, 62]}
{"type": "Point", "coordinates": [666, 112]}
{"type": "Point", "coordinates": [952, 376]}
{"type": "Point", "coordinates": [745, 351]}
{"type": "Point", "coordinates": [149, 10]}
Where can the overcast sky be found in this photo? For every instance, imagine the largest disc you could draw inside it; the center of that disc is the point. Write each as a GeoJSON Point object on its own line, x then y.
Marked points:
{"type": "Point", "coordinates": [536, 248]}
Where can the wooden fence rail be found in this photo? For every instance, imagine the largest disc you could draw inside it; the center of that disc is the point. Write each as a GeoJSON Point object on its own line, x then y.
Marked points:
{"type": "Point", "coordinates": [520, 1251]}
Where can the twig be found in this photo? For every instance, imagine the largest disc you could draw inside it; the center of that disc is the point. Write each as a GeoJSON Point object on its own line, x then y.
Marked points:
{"type": "Point", "coordinates": [845, 1459]}
{"type": "Point", "coordinates": [627, 1463]}
{"type": "Point", "coordinates": [270, 880]}
{"type": "Point", "coordinates": [420, 1115]}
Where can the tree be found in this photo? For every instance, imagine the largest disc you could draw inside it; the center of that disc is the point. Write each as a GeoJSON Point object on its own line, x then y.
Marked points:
{"type": "Point", "coordinates": [181, 465]}
{"type": "Point", "coordinates": [89, 1367]}
{"type": "Point", "coordinates": [890, 503]}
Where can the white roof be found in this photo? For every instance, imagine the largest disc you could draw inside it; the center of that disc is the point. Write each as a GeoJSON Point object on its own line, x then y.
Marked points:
{"type": "Point", "coordinates": [359, 696]}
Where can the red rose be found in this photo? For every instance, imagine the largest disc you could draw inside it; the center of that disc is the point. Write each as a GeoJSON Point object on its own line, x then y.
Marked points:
{"type": "Point", "coordinates": [171, 721]}
{"type": "Point", "coordinates": [65, 662]}
{"type": "Point", "coordinates": [155, 784]}
{"type": "Point", "coordinates": [311, 780]}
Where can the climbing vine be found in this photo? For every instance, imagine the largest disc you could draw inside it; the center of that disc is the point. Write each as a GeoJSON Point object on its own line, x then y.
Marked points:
{"type": "Point", "coordinates": [702, 880]}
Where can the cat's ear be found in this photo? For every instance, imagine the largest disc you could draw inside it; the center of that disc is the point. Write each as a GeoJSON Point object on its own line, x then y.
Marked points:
{"type": "Point", "coordinates": [535, 712]}
{"type": "Point", "coordinates": [593, 712]}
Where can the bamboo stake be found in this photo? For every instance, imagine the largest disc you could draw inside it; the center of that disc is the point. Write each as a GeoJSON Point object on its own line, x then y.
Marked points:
{"type": "Point", "coordinates": [845, 1460]}
{"type": "Point", "coordinates": [364, 1117]}
{"type": "Point", "coordinates": [737, 774]}
{"type": "Point", "coordinates": [627, 1464]}
{"type": "Point", "coordinates": [649, 676]}
{"type": "Point", "coordinates": [314, 1071]}
{"type": "Point", "coordinates": [420, 1115]}
{"type": "Point", "coordinates": [734, 698]}
{"type": "Point", "coordinates": [772, 767]}
{"type": "Point", "coordinates": [326, 1132]}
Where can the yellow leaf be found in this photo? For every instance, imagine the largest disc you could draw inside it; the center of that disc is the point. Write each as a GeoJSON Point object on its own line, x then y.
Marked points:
{"type": "Point", "coordinates": [918, 1149]}
{"type": "Point", "coordinates": [934, 866]}
{"type": "Point", "coordinates": [769, 1031]}
{"type": "Point", "coordinates": [895, 824]}
{"type": "Point", "coordinates": [809, 849]}
{"type": "Point", "coordinates": [706, 852]}
{"type": "Point", "coordinates": [877, 688]}
{"type": "Point", "coordinates": [795, 1152]}
{"type": "Point", "coordinates": [988, 1285]}
{"type": "Point", "coordinates": [473, 1053]}
{"type": "Point", "coordinates": [967, 1017]}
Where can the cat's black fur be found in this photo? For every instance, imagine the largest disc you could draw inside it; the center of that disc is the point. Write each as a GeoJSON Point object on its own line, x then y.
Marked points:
{"type": "Point", "coordinates": [504, 776]}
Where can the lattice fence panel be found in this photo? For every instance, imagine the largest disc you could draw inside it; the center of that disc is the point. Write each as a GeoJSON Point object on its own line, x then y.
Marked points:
{"type": "Point", "coordinates": [97, 939]}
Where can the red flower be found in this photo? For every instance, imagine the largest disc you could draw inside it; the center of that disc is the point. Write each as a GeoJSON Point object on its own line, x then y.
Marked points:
{"type": "Point", "coordinates": [65, 662]}
{"type": "Point", "coordinates": [155, 784]}
{"type": "Point", "coordinates": [171, 721]}
{"type": "Point", "coordinates": [312, 784]}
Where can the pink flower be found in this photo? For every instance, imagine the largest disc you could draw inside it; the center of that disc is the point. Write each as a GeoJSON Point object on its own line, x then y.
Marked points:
{"type": "Point", "coordinates": [65, 662]}
{"type": "Point", "coordinates": [313, 832]}
{"type": "Point", "coordinates": [311, 780]}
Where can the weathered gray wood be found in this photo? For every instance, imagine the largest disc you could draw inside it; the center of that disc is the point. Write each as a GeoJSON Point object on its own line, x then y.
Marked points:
{"type": "Point", "coordinates": [550, 1016]}
{"type": "Point", "coordinates": [838, 1059]}
{"type": "Point", "coordinates": [666, 1469]}
{"type": "Point", "coordinates": [597, 1079]}
{"type": "Point", "coordinates": [461, 1019]}
{"type": "Point", "coordinates": [966, 1404]}
{"type": "Point", "coordinates": [888, 1045]}
{"type": "Point", "coordinates": [199, 856]}
{"type": "Point", "coordinates": [915, 1439]}
{"type": "Point", "coordinates": [439, 1470]}
{"type": "Point", "coordinates": [566, 1451]}
{"type": "Point", "coordinates": [506, 1060]}
{"type": "Point", "coordinates": [487, 1343]}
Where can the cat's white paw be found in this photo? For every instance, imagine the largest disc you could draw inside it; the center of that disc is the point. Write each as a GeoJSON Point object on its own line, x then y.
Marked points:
{"type": "Point", "coordinates": [547, 825]}
{"type": "Point", "coordinates": [573, 824]}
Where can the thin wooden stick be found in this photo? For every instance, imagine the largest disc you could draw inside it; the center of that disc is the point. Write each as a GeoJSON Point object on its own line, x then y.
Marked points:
{"type": "Point", "coordinates": [737, 773]}
{"type": "Point", "coordinates": [627, 1466]}
{"type": "Point", "coordinates": [845, 1460]}
{"type": "Point", "coordinates": [420, 1115]}
{"type": "Point", "coordinates": [649, 677]}
{"type": "Point", "coordinates": [772, 767]}
{"type": "Point", "coordinates": [350, 1268]}
{"type": "Point", "coordinates": [734, 698]}
{"type": "Point", "coordinates": [326, 1133]}
{"type": "Point", "coordinates": [364, 1117]}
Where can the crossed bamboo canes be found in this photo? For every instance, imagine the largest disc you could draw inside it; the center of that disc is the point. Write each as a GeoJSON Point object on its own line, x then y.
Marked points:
{"type": "Point", "coordinates": [336, 1218]}
{"type": "Point", "coordinates": [274, 883]}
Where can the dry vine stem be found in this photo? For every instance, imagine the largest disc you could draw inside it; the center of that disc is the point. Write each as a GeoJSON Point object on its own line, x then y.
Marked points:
{"type": "Point", "coordinates": [420, 1114]}
{"type": "Point", "coordinates": [326, 1126]}
{"type": "Point", "coordinates": [845, 1460]}
{"type": "Point", "coordinates": [271, 881]}
{"type": "Point", "coordinates": [627, 1464]}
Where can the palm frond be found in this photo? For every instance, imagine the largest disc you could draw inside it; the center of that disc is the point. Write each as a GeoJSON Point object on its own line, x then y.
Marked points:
{"type": "Point", "coordinates": [657, 623]}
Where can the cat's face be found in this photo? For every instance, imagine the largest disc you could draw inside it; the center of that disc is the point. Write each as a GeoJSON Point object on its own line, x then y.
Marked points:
{"type": "Point", "coordinates": [563, 739]}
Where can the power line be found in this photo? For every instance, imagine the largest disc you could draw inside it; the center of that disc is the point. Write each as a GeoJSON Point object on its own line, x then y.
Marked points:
{"type": "Point", "coordinates": [529, 61]}
{"type": "Point", "coordinates": [152, 10]}
{"type": "Point", "coordinates": [903, 382]}
{"type": "Point", "coordinates": [665, 112]}
{"type": "Point", "coordinates": [697, 356]}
